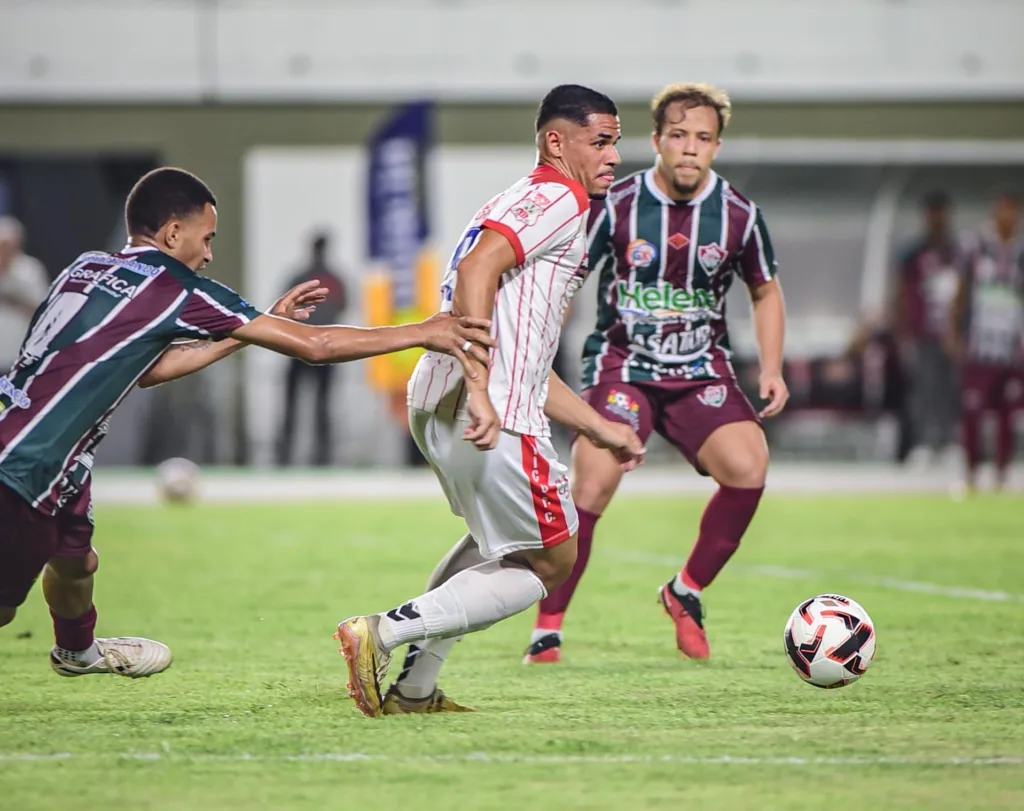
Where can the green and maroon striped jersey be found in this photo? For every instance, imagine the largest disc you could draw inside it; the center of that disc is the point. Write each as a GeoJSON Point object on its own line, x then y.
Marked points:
{"type": "Point", "coordinates": [664, 269]}
{"type": "Point", "coordinates": [106, 320]}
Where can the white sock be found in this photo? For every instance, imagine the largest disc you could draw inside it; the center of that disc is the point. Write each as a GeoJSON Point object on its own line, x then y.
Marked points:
{"type": "Point", "coordinates": [82, 658]}
{"type": "Point", "coordinates": [422, 665]}
{"type": "Point", "coordinates": [680, 588]}
{"type": "Point", "coordinates": [471, 600]}
{"type": "Point", "coordinates": [423, 661]}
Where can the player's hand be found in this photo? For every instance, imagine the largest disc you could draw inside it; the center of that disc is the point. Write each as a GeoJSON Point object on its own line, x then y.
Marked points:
{"type": "Point", "coordinates": [484, 426]}
{"type": "Point", "coordinates": [622, 441]}
{"type": "Point", "coordinates": [465, 338]}
{"type": "Point", "coordinates": [299, 303]}
{"type": "Point", "coordinates": [775, 390]}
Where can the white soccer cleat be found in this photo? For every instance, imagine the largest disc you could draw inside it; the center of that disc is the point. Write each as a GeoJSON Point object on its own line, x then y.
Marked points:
{"type": "Point", "coordinates": [131, 656]}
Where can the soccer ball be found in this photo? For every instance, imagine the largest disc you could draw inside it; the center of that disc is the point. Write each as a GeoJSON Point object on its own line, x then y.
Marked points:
{"type": "Point", "coordinates": [178, 479]}
{"type": "Point", "coordinates": [830, 640]}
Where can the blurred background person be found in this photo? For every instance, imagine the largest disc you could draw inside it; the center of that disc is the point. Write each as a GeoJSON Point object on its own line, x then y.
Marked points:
{"type": "Point", "coordinates": [23, 285]}
{"type": "Point", "coordinates": [926, 284]}
{"type": "Point", "coordinates": [986, 332]}
{"type": "Point", "coordinates": [321, 378]}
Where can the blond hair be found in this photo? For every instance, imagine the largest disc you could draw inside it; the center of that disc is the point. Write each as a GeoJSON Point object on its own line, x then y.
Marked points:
{"type": "Point", "coordinates": [692, 94]}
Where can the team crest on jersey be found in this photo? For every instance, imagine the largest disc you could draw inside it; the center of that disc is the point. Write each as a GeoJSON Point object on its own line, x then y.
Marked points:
{"type": "Point", "coordinates": [620, 403]}
{"type": "Point", "coordinates": [640, 253]}
{"type": "Point", "coordinates": [530, 209]}
{"type": "Point", "coordinates": [711, 256]}
{"type": "Point", "coordinates": [713, 396]}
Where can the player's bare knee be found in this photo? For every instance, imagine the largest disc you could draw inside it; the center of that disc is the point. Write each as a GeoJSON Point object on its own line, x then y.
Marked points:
{"type": "Point", "coordinates": [596, 477]}
{"type": "Point", "coordinates": [552, 565]}
{"type": "Point", "coordinates": [7, 615]}
{"type": "Point", "coordinates": [747, 469]}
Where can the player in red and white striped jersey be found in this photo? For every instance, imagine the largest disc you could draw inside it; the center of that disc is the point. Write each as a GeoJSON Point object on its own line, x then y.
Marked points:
{"type": "Point", "coordinates": [519, 262]}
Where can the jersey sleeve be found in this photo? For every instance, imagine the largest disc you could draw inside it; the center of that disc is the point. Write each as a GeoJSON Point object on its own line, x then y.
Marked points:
{"type": "Point", "coordinates": [757, 263]}
{"type": "Point", "coordinates": [214, 310]}
{"type": "Point", "coordinates": [536, 219]}
{"type": "Point", "coordinates": [599, 233]}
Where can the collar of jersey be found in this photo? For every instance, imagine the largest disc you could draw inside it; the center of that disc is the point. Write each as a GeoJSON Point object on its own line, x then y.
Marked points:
{"type": "Point", "coordinates": [652, 187]}
{"type": "Point", "coordinates": [549, 174]}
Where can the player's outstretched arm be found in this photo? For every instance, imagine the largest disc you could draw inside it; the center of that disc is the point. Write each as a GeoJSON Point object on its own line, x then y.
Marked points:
{"type": "Point", "coordinates": [191, 356]}
{"type": "Point", "coordinates": [468, 339]}
{"type": "Point", "coordinates": [770, 329]}
{"type": "Point", "coordinates": [568, 408]}
{"type": "Point", "coordinates": [476, 286]}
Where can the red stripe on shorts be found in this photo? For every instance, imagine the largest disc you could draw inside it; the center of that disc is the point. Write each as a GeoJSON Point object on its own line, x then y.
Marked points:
{"type": "Point", "coordinates": [546, 503]}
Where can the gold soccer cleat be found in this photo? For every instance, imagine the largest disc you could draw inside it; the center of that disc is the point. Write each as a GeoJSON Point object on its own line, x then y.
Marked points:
{"type": "Point", "coordinates": [367, 662]}
{"type": "Point", "coordinates": [397, 704]}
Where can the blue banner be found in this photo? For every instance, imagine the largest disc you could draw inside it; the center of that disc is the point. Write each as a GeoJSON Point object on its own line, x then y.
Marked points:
{"type": "Point", "coordinates": [399, 229]}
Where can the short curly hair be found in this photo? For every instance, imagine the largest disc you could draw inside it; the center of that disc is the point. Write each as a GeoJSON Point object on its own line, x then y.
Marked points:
{"type": "Point", "coordinates": [692, 94]}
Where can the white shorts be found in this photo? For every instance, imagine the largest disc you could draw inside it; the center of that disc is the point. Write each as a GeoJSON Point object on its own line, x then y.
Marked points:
{"type": "Point", "coordinates": [513, 497]}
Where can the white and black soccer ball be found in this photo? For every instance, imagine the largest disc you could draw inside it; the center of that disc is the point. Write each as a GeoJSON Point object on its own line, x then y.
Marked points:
{"type": "Point", "coordinates": [178, 480]}
{"type": "Point", "coordinates": [830, 640]}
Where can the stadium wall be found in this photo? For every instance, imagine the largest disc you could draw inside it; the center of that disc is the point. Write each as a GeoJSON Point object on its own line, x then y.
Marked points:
{"type": "Point", "coordinates": [212, 140]}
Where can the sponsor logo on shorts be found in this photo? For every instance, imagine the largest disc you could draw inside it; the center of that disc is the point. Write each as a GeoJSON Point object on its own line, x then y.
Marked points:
{"type": "Point", "coordinates": [640, 253]}
{"type": "Point", "coordinates": [713, 396]}
{"type": "Point", "coordinates": [621, 404]}
{"type": "Point", "coordinates": [711, 256]}
{"type": "Point", "coordinates": [17, 396]}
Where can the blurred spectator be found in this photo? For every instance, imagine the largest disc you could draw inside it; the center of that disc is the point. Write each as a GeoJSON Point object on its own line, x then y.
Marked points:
{"type": "Point", "coordinates": [986, 333]}
{"type": "Point", "coordinates": [23, 285]}
{"type": "Point", "coordinates": [927, 284]}
{"type": "Point", "coordinates": [320, 377]}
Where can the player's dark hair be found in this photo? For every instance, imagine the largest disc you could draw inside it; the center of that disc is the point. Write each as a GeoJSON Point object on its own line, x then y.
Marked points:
{"type": "Point", "coordinates": [164, 194]}
{"type": "Point", "coordinates": [574, 103]}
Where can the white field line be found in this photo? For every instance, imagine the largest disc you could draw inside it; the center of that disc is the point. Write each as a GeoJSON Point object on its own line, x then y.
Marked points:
{"type": "Point", "coordinates": [783, 573]}
{"type": "Point", "coordinates": [486, 757]}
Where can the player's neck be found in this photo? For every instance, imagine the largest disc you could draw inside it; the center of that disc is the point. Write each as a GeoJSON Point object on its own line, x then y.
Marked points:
{"type": "Point", "coordinates": [136, 241]}
{"type": "Point", "coordinates": [673, 193]}
{"type": "Point", "coordinates": [557, 164]}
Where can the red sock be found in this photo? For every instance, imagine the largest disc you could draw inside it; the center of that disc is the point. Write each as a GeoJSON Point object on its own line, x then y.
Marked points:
{"type": "Point", "coordinates": [74, 634]}
{"type": "Point", "coordinates": [552, 607]}
{"type": "Point", "coordinates": [1004, 443]}
{"type": "Point", "coordinates": [970, 426]}
{"type": "Point", "coordinates": [725, 519]}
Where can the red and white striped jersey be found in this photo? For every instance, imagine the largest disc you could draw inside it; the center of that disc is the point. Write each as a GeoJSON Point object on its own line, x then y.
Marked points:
{"type": "Point", "coordinates": [544, 217]}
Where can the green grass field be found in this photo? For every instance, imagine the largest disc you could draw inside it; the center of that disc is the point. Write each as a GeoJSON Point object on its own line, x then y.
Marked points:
{"type": "Point", "coordinates": [253, 714]}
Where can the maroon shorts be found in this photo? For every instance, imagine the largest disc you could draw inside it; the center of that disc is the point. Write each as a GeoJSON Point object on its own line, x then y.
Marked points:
{"type": "Point", "coordinates": [685, 413]}
{"type": "Point", "coordinates": [29, 538]}
{"type": "Point", "coordinates": [985, 387]}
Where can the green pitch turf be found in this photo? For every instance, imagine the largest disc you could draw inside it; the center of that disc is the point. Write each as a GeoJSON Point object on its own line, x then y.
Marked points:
{"type": "Point", "coordinates": [253, 714]}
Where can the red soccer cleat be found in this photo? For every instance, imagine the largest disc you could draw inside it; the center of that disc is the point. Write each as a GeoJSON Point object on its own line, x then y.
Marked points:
{"type": "Point", "coordinates": [687, 613]}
